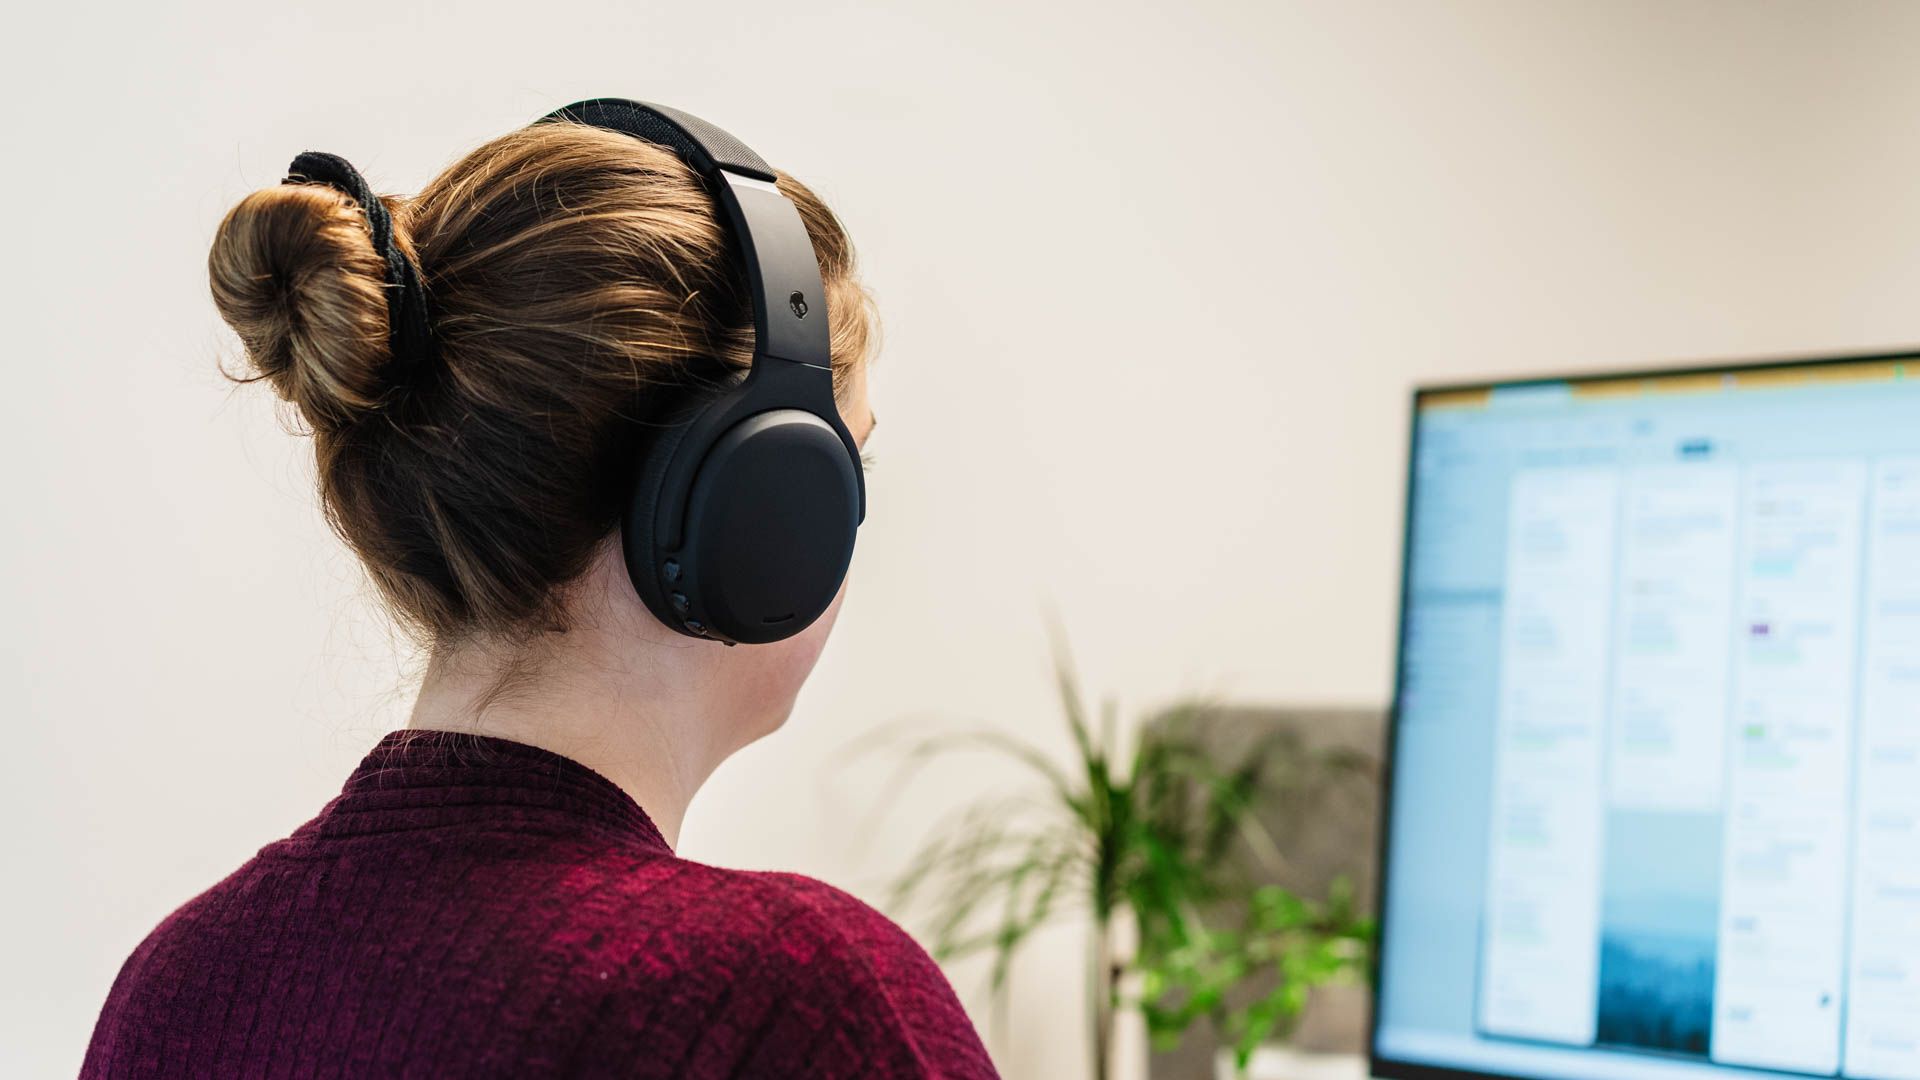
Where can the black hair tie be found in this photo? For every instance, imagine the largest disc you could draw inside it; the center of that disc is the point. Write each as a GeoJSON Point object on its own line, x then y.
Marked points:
{"type": "Point", "coordinates": [410, 329]}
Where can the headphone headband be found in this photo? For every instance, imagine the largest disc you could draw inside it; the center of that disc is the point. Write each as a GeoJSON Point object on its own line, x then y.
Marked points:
{"type": "Point", "coordinates": [783, 273]}
{"type": "Point", "coordinates": [699, 143]}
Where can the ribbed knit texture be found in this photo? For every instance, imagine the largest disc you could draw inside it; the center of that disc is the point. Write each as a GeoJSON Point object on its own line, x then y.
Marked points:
{"type": "Point", "coordinates": [473, 907]}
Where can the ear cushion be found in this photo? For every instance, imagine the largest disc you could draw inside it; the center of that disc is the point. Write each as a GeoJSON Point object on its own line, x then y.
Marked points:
{"type": "Point", "coordinates": [637, 538]}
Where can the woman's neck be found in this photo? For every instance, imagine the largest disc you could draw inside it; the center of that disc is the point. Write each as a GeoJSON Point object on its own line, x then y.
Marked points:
{"type": "Point", "coordinates": [579, 695]}
{"type": "Point", "coordinates": [618, 692]}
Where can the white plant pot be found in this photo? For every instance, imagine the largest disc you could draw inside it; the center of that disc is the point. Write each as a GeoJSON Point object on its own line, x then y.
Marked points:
{"type": "Point", "coordinates": [1286, 1063]}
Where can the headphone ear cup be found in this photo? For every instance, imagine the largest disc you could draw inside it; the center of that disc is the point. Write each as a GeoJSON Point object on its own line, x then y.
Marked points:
{"type": "Point", "coordinates": [771, 518]}
{"type": "Point", "coordinates": [767, 507]}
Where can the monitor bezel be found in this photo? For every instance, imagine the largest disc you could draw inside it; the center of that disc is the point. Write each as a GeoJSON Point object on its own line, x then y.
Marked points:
{"type": "Point", "coordinates": [1391, 1068]}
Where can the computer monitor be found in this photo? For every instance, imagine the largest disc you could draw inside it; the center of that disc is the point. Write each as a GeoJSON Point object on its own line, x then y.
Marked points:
{"type": "Point", "coordinates": [1654, 797]}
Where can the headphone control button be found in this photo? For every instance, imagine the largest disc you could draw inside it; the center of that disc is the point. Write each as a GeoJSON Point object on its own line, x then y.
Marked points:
{"type": "Point", "coordinates": [670, 570]}
{"type": "Point", "coordinates": [680, 603]}
{"type": "Point", "coordinates": [697, 627]}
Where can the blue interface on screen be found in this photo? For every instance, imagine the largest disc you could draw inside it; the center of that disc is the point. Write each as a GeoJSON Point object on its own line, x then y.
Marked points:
{"type": "Point", "coordinates": [1656, 795]}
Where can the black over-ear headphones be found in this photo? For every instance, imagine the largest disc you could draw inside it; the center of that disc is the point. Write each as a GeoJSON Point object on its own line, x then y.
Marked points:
{"type": "Point", "coordinates": [742, 516]}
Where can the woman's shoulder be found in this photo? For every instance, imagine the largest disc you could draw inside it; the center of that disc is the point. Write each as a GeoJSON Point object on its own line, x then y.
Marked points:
{"type": "Point", "coordinates": [794, 921]}
{"type": "Point", "coordinates": [818, 948]}
{"type": "Point", "coordinates": [795, 902]}
{"type": "Point", "coordinates": [847, 928]}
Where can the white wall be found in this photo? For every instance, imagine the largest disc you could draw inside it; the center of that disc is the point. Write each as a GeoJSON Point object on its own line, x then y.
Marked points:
{"type": "Point", "coordinates": [1156, 279]}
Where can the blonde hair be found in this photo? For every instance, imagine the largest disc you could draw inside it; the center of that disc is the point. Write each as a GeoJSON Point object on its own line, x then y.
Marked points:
{"type": "Point", "coordinates": [578, 279]}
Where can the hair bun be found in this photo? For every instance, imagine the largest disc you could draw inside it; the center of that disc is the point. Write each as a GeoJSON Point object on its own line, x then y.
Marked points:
{"type": "Point", "coordinates": [295, 274]}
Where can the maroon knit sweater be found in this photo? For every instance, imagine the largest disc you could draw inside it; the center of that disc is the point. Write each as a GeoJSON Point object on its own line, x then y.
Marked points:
{"type": "Point", "coordinates": [475, 907]}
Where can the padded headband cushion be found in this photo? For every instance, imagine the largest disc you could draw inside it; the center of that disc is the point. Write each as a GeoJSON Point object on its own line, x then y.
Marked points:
{"type": "Point", "coordinates": [698, 143]}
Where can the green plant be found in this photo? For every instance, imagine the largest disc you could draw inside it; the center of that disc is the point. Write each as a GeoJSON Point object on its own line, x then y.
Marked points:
{"type": "Point", "coordinates": [1296, 943]}
{"type": "Point", "coordinates": [1144, 837]}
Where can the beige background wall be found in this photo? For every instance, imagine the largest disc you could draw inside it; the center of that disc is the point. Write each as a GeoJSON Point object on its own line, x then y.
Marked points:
{"type": "Point", "coordinates": [1156, 279]}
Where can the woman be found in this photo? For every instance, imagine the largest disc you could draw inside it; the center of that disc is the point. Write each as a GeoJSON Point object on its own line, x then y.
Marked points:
{"type": "Point", "coordinates": [495, 892]}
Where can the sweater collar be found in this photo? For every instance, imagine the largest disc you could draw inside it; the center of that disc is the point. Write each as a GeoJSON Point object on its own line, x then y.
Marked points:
{"type": "Point", "coordinates": [440, 779]}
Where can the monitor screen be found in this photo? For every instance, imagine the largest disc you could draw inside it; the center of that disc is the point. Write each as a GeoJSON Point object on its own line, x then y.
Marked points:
{"type": "Point", "coordinates": [1655, 797]}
